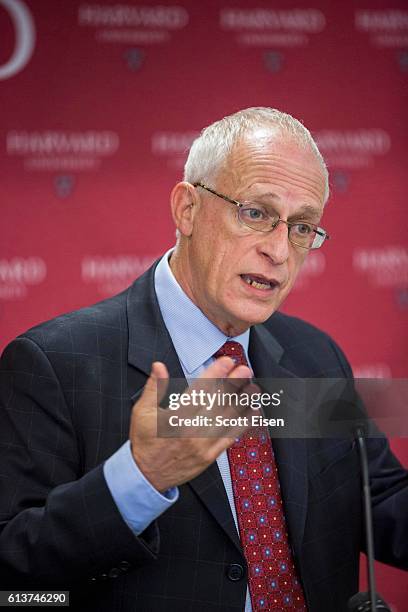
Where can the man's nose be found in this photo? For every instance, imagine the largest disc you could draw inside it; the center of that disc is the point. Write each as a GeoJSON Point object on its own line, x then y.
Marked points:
{"type": "Point", "coordinates": [275, 244]}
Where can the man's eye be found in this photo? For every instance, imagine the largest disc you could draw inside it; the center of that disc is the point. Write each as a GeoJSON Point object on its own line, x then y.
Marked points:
{"type": "Point", "coordinates": [254, 214]}
{"type": "Point", "coordinates": [303, 229]}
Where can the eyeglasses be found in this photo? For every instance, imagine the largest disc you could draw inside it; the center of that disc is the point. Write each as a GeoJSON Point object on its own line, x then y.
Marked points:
{"type": "Point", "coordinates": [259, 218]}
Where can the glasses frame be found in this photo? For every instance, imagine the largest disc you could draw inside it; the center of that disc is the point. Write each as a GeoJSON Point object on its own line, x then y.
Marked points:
{"type": "Point", "coordinates": [318, 230]}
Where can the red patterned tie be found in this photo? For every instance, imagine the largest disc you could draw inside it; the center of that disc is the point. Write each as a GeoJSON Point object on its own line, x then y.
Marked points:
{"type": "Point", "coordinates": [273, 582]}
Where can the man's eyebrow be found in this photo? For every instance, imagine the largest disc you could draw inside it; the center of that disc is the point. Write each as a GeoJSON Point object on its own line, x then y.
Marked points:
{"type": "Point", "coordinates": [306, 209]}
{"type": "Point", "coordinates": [268, 194]}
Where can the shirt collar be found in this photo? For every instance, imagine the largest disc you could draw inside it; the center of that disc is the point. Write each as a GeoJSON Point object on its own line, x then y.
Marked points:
{"type": "Point", "coordinates": [194, 337]}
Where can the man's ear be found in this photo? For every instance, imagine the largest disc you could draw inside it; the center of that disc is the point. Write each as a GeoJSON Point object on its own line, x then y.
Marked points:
{"type": "Point", "coordinates": [184, 201]}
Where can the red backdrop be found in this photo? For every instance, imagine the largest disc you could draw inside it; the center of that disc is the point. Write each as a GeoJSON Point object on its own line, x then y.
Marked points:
{"type": "Point", "coordinates": [99, 102]}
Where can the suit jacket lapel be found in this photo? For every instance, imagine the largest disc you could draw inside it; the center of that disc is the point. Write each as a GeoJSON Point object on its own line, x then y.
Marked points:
{"type": "Point", "coordinates": [290, 453]}
{"type": "Point", "coordinates": [150, 341]}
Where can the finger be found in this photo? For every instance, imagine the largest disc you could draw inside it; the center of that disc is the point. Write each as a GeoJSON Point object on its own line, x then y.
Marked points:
{"type": "Point", "coordinates": [214, 378]}
{"type": "Point", "coordinates": [153, 392]}
{"type": "Point", "coordinates": [240, 408]}
{"type": "Point", "coordinates": [209, 379]}
{"type": "Point", "coordinates": [223, 368]}
{"type": "Point", "coordinates": [220, 368]}
{"type": "Point", "coordinates": [241, 371]}
{"type": "Point", "coordinates": [238, 378]}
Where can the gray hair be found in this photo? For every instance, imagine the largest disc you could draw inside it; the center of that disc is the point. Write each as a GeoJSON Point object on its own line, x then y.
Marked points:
{"type": "Point", "coordinates": [209, 152]}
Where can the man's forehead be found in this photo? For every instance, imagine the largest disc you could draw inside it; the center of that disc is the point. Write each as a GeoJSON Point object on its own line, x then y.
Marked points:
{"type": "Point", "coordinates": [253, 166]}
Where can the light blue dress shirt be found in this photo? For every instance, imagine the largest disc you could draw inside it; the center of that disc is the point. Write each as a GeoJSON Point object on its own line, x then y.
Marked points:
{"type": "Point", "coordinates": [195, 339]}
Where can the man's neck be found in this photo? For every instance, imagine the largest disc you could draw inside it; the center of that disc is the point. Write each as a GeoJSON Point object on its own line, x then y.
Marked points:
{"type": "Point", "coordinates": [180, 273]}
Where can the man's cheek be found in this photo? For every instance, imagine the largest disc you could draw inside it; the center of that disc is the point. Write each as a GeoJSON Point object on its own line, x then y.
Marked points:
{"type": "Point", "coordinates": [295, 269]}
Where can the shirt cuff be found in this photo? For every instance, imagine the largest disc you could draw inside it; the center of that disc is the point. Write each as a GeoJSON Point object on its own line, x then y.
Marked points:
{"type": "Point", "coordinates": [137, 500]}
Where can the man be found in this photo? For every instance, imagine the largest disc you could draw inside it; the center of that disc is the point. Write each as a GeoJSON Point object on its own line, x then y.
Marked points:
{"type": "Point", "coordinates": [93, 500]}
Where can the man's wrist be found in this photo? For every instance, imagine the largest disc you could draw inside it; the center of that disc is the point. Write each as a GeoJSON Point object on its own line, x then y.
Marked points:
{"type": "Point", "coordinates": [137, 499]}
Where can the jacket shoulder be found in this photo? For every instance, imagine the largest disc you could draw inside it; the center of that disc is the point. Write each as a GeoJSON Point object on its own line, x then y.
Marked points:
{"type": "Point", "coordinates": [74, 331]}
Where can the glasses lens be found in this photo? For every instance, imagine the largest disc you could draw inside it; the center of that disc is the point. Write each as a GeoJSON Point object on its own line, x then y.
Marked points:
{"type": "Point", "coordinates": [262, 219]}
{"type": "Point", "coordinates": [307, 236]}
{"type": "Point", "coordinates": [257, 217]}
{"type": "Point", "coordinates": [303, 234]}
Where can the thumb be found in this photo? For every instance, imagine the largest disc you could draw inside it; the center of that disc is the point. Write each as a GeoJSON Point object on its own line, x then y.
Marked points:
{"type": "Point", "coordinates": [157, 383]}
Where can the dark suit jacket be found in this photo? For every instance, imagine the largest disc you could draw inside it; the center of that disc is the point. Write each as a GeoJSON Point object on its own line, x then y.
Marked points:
{"type": "Point", "coordinates": [67, 388]}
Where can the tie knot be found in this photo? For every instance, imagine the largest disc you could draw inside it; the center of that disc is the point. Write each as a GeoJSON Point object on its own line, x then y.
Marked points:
{"type": "Point", "coordinates": [232, 349]}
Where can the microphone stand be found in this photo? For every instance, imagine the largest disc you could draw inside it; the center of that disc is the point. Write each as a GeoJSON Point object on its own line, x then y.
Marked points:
{"type": "Point", "coordinates": [370, 601]}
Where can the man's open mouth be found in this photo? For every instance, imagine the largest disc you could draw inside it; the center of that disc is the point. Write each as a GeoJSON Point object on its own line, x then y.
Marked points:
{"type": "Point", "coordinates": [259, 282]}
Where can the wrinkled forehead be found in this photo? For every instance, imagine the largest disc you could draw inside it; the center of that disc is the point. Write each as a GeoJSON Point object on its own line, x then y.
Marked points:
{"type": "Point", "coordinates": [262, 158]}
